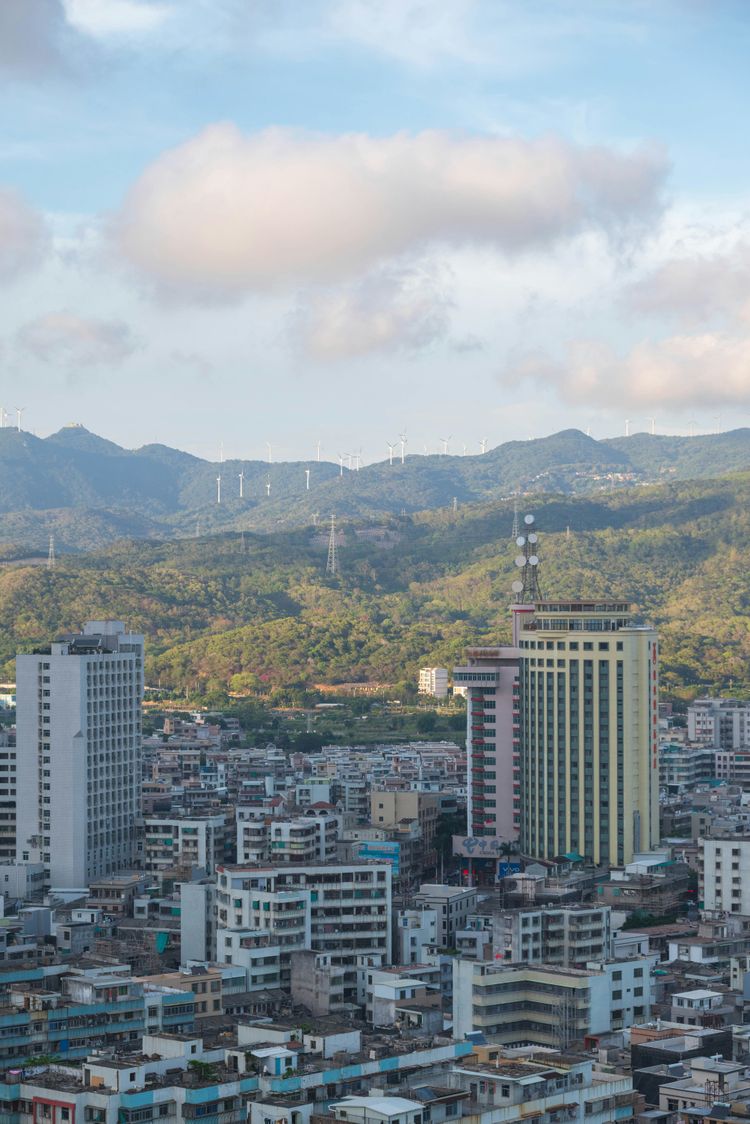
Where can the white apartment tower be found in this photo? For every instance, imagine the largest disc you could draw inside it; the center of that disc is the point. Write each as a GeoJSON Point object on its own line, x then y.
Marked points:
{"type": "Point", "coordinates": [79, 753]}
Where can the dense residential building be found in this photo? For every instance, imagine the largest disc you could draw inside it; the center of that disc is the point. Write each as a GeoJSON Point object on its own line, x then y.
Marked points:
{"type": "Point", "coordinates": [79, 753]}
{"type": "Point", "coordinates": [340, 909]}
{"type": "Point", "coordinates": [490, 676]}
{"type": "Point", "coordinates": [451, 904]}
{"type": "Point", "coordinates": [198, 841]}
{"type": "Point", "coordinates": [589, 756]}
{"type": "Point", "coordinates": [309, 838]}
{"type": "Point", "coordinates": [433, 681]}
{"type": "Point", "coordinates": [74, 1012]}
{"type": "Point", "coordinates": [719, 723]}
{"type": "Point", "coordinates": [569, 936]}
{"type": "Point", "coordinates": [388, 807]}
{"type": "Point", "coordinates": [515, 1005]}
{"type": "Point", "coordinates": [682, 767]}
{"type": "Point", "coordinates": [724, 877]}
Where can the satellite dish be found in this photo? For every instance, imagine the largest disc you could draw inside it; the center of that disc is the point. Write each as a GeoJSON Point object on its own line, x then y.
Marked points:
{"type": "Point", "coordinates": [532, 539]}
{"type": "Point", "coordinates": [520, 560]}
{"type": "Point", "coordinates": [517, 587]}
{"type": "Point", "coordinates": [528, 520]}
{"type": "Point", "coordinates": [533, 560]}
{"type": "Point", "coordinates": [520, 541]}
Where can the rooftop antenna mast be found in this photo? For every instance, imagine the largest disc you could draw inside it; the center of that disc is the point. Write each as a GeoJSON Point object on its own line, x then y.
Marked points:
{"type": "Point", "coordinates": [51, 553]}
{"type": "Point", "coordinates": [332, 564]}
{"type": "Point", "coordinates": [526, 589]}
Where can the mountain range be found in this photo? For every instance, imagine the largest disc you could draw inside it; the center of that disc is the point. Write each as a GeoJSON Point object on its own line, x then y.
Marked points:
{"type": "Point", "coordinates": [256, 611]}
{"type": "Point", "coordinates": [90, 492]}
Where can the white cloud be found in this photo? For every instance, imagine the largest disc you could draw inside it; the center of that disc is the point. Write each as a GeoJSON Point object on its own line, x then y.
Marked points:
{"type": "Point", "coordinates": [701, 286]}
{"type": "Point", "coordinates": [103, 18]}
{"type": "Point", "coordinates": [76, 341]}
{"type": "Point", "coordinates": [24, 239]}
{"type": "Point", "coordinates": [387, 311]}
{"type": "Point", "coordinates": [225, 212]}
{"type": "Point", "coordinates": [680, 371]}
{"type": "Point", "coordinates": [418, 32]}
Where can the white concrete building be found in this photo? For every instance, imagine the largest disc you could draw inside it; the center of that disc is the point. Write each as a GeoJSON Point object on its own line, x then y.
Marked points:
{"type": "Point", "coordinates": [414, 931]}
{"type": "Point", "coordinates": [433, 681]}
{"type": "Point", "coordinates": [176, 840]}
{"type": "Point", "coordinates": [724, 874]}
{"type": "Point", "coordinates": [310, 838]}
{"type": "Point", "coordinates": [343, 909]}
{"type": "Point", "coordinates": [452, 904]}
{"type": "Point", "coordinates": [79, 753]}
{"type": "Point", "coordinates": [198, 921]}
{"type": "Point", "coordinates": [721, 723]}
{"type": "Point", "coordinates": [517, 1005]}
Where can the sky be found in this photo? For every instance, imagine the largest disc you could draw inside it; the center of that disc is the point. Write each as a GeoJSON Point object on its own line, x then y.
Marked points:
{"type": "Point", "coordinates": [228, 223]}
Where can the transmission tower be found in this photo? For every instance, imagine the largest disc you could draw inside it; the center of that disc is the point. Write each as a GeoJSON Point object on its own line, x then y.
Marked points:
{"type": "Point", "coordinates": [332, 565]}
{"type": "Point", "coordinates": [527, 584]}
{"type": "Point", "coordinates": [51, 553]}
{"type": "Point", "coordinates": [515, 532]}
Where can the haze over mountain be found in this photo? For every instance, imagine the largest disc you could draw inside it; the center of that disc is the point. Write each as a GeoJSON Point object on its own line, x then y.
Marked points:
{"type": "Point", "coordinates": [88, 491]}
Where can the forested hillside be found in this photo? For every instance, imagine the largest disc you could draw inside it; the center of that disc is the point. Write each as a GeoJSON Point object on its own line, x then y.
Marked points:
{"type": "Point", "coordinates": [256, 611]}
{"type": "Point", "coordinates": [89, 492]}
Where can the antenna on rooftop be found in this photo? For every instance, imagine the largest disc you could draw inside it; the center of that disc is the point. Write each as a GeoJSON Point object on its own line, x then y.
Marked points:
{"type": "Point", "coordinates": [526, 589]}
{"type": "Point", "coordinates": [332, 564]}
{"type": "Point", "coordinates": [51, 553]}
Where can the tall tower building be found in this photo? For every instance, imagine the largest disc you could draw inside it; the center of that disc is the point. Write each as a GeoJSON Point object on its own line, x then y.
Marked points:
{"type": "Point", "coordinates": [588, 731]}
{"type": "Point", "coordinates": [79, 753]}
{"type": "Point", "coordinates": [490, 676]}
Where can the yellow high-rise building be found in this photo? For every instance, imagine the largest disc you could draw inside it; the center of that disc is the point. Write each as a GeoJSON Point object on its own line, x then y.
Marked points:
{"type": "Point", "coordinates": [588, 731]}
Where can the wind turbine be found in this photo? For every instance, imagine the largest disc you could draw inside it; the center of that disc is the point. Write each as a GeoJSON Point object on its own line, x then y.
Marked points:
{"type": "Point", "coordinates": [341, 464]}
{"type": "Point", "coordinates": [483, 445]}
{"type": "Point", "coordinates": [627, 427]}
{"type": "Point", "coordinates": [3, 416]}
{"type": "Point", "coordinates": [307, 479]}
{"type": "Point", "coordinates": [357, 460]}
{"type": "Point", "coordinates": [402, 439]}
{"type": "Point", "coordinates": [268, 446]}
{"type": "Point", "coordinates": [653, 425]}
{"type": "Point", "coordinates": [444, 441]}
{"type": "Point", "coordinates": [317, 447]}
{"type": "Point", "coordinates": [221, 452]}
{"type": "Point", "coordinates": [242, 484]}
{"type": "Point", "coordinates": [268, 485]}
{"type": "Point", "coordinates": [19, 415]}
{"type": "Point", "coordinates": [463, 454]}
{"type": "Point", "coordinates": [390, 451]}
{"type": "Point", "coordinates": [218, 488]}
